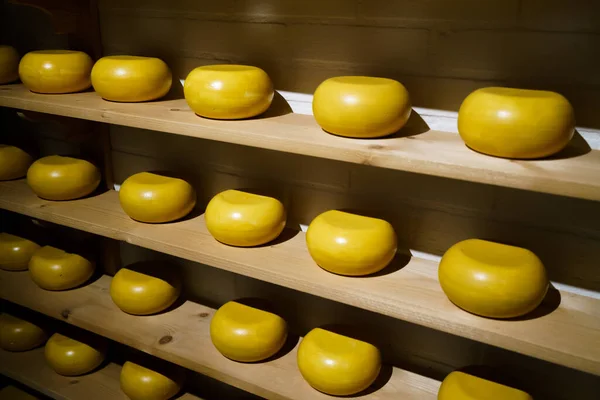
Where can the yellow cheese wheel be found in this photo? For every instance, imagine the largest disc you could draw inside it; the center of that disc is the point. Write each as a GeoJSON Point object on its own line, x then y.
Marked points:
{"type": "Point", "coordinates": [19, 335]}
{"type": "Point", "coordinates": [336, 364]}
{"type": "Point", "coordinates": [228, 91]}
{"type": "Point", "coordinates": [71, 357]}
{"type": "Point", "coordinates": [141, 383]}
{"type": "Point", "coordinates": [14, 162]}
{"type": "Point", "coordinates": [461, 386]}
{"type": "Point", "coordinates": [13, 393]}
{"type": "Point", "coordinates": [351, 244]}
{"type": "Point", "coordinates": [154, 198]}
{"type": "Point", "coordinates": [62, 178]}
{"type": "Point", "coordinates": [131, 78]}
{"type": "Point", "coordinates": [54, 269]}
{"type": "Point", "coordinates": [9, 64]}
{"type": "Point", "coordinates": [144, 288]}
{"type": "Point", "coordinates": [15, 252]}
{"type": "Point", "coordinates": [361, 106]}
{"type": "Point", "coordinates": [516, 123]}
{"type": "Point", "coordinates": [244, 219]}
{"type": "Point", "coordinates": [247, 334]}
{"type": "Point", "coordinates": [56, 71]}
{"type": "Point", "coordinates": [492, 279]}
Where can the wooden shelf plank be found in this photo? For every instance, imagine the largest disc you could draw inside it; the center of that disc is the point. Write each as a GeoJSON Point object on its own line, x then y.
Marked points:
{"type": "Point", "coordinates": [182, 336]}
{"type": "Point", "coordinates": [433, 152]}
{"type": "Point", "coordinates": [30, 369]}
{"type": "Point", "coordinates": [568, 335]}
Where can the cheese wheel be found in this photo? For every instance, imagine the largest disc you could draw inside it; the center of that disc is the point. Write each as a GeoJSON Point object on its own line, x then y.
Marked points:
{"type": "Point", "coordinates": [244, 219]}
{"type": "Point", "coordinates": [228, 91]}
{"type": "Point", "coordinates": [131, 78]}
{"type": "Point", "coordinates": [361, 106]}
{"type": "Point", "coordinates": [492, 279]}
{"type": "Point", "coordinates": [56, 71]}
{"type": "Point", "coordinates": [247, 334]}
{"type": "Point", "coordinates": [351, 244]}
{"type": "Point", "coordinates": [516, 123]}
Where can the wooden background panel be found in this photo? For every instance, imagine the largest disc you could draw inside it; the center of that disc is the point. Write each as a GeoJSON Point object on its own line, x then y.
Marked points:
{"type": "Point", "coordinates": [429, 214]}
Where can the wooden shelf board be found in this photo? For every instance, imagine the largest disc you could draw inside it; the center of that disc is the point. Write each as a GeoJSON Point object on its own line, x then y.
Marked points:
{"type": "Point", "coordinates": [568, 335]}
{"type": "Point", "coordinates": [182, 336]}
{"type": "Point", "coordinates": [433, 152]}
{"type": "Point", "coordinates": [30, 368]}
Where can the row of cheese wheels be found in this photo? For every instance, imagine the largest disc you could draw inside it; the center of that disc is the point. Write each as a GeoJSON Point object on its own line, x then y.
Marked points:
{"type": "Point", "coordinates": [71, 357]}
{"type": "Point", "coordinates": [332, 363]}
{"type": "Point", "coordinates": [483, 277]}
{"type": "Point", "coordinates": [503, 122]}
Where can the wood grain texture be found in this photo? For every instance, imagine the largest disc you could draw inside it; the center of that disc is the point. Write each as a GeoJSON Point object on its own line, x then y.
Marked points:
{"type": "Point", "coordinates": [182, 336]}
{"type": "Point", "coordinates": [568, 335]}
{"type": "Point", "coordinates": [431, 152]}
{"type": "Point", "coordinates": [30, 368]}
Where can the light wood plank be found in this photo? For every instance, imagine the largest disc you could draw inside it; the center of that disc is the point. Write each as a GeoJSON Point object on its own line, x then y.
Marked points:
{"type": "Point", "coordinates": [182, 336]}
{"type": "Point", "coordinates": [30, 368]}
{"type": "Point", "coordinates": [432, 152]}
{"type": "Point", "coordinates": [569, 335]}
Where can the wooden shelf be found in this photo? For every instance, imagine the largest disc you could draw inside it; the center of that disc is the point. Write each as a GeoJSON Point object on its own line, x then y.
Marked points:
{"type": "Point", "coordinates": [182, 336]}
{"type": "Point", "coordinates": [30, 368]}
{"type": "Point", "coordinates": [433, 152]}
{"type": "Point", "coordinates": [567, 335]}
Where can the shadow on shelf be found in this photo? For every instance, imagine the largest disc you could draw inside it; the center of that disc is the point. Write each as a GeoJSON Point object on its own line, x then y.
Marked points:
{"type": "Point", "coordinates": [578, 146]}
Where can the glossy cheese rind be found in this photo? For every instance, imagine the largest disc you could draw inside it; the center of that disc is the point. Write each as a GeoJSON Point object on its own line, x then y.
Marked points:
{"type": "Point", "coordinates": [142, 293]}
{"type": "Point", "coordinates": [131, 78]}
{"type": "Point", "coordinates": [461, 386]}
{"type": "Point", "coordinates": [155, 198]}
{"type": "Point", "coordinates": [141, 383]}
{"type": "Point", "coordinates": [244, 219]}
{"type": "Point", "coordinates": [350, 244]}
{"type": "Point", "coordinates": [54, 269]}
{"type": "Point", "coordinates": [62, 178]}
{"type": "Point", "coordinates": [516, 123]}
{"type": "Point", "coordinates": [70, 357]}
{"type": "Point", "coordinates": [361, 106]}
{"type": "Point", "coordinates": [228, 91]}
{"type": "Point", "coordinates": [15, 252]}
{"type": "Point", "coordinates": [19, 335]}
{"type": "Point", "coordinates": [492, 279]}
{"type": "Point", "coordinates": [56, 71]}
{"type": "Point", "coordinates": [247, 334]}
{"type": "Point", "coordinates": [337, 365]}
{"type": "Point", "coordinates": [14, 162]}
{"type": "Point", "coordinates": [9, 64]}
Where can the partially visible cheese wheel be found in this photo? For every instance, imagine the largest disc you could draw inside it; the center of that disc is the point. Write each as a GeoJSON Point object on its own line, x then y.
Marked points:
{"type": "Point", "coordinates": [15, 252]}
{"type": "Point", "coordinates": [9, 64]}
{"type": "Point", "coordinates": [141, 383]}
{"type": "Point", "coordinates": [14, 162]}
{"type": "Point", "coordinates": [462, 386]}
{"type": "Point", "coordinates": [17, 334]}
